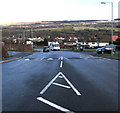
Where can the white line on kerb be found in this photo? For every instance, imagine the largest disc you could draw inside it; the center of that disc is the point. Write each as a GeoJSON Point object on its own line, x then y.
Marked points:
{"type": "Point", "coordinates": [54, 105]}
{"type": "Point", "coordinates": [61, 64]}
{"type": "Point", "coordinates": [57, 84]}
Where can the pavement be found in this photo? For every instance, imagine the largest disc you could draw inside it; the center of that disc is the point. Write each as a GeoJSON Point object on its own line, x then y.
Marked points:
{"type": "Point", "coordinates": [63, 81]}
{"type": "Point", "coordinates": [15, 56]}
{"type": "Point", "coordinates": [101, 55]}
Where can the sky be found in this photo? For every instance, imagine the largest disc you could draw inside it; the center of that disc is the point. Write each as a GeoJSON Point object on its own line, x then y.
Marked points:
{"type": "Point", "coordinates": [56, 10]}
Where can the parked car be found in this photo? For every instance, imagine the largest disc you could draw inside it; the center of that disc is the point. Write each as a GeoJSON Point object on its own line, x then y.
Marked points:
{"type": "Point", "coordinates": [106, 49]}
{"type": "Point", "coordinates": [46, 49]}
{"type": "Point", "coordinates": [100, 50]}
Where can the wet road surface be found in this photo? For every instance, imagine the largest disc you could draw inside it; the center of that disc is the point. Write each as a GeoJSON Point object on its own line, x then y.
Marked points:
{"type": "Point", "coordinates": [60, 81]}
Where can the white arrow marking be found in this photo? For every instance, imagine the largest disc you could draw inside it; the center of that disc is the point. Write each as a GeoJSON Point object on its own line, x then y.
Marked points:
{"type": "Point", "coordinates": [54, 105]}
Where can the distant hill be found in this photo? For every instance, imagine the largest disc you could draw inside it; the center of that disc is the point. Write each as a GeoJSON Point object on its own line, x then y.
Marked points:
{"type": "Point", "coordinates": [46, 22]}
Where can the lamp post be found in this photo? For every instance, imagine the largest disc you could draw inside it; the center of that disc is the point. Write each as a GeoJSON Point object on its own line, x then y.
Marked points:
{"type": "Point", "coordinates": [111, 23]}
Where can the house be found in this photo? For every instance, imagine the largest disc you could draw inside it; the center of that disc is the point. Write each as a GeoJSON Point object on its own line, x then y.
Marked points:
{"type": "Point", "coordinates": [114, 38]}
{"type": "Point", "coordinates": [93, 44]}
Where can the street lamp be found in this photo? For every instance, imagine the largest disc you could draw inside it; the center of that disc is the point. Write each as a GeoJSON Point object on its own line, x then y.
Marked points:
{"type": "Point", "coordinates": [111, 23]}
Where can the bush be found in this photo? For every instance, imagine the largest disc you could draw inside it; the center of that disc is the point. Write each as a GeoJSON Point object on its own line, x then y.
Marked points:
{"type": "Point", "coordinates": [4, 52]}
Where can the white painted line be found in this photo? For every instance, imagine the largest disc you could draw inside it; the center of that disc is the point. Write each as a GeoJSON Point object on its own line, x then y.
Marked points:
{"type": "Point", "coordinates": [57, 84]}
{"type": "Point", "coordinates": [10, 60]}
{"type": "Point", "coordinates": [54, 105]}
{"type": "Point", "coordinates": [51, 82]}
{"type": "Point", "coordinates": [60, 77]}
{"type": "Point", "coordinates": [27, 59]}
{"type": "Point", "coordinates": [76, 91]}
{"type": "Point", "coordinates": [42, 58]}
{"type": "Point", "coordinates": [61, 64]}
{"type": "Point", "coordinates": [66, 58]}
{"type": "Point", "coordinates": [50, 59]}
{"type": "Point", "coordinates": [48, 85]}
{"type": "Point", "coordinates": [61, 58]}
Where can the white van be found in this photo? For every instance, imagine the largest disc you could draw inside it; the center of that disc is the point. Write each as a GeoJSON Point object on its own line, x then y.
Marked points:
{"type": "Point", "coordinates": [54, 46]}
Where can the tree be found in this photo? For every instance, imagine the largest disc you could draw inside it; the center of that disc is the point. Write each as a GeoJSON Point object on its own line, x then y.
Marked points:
{"type": "Point", "coordinates": [117, 42]}
{"type": "Point", "coordinates": [45, 42]}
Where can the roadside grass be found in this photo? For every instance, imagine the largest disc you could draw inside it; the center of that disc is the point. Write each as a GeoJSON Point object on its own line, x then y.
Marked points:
{"type": "Point", "coordinates": [78, 50]}
{"type": "Point", "coordinates": [92, 50]}
{"type": "Point", "coordinates": [76, 28]}
{"type": "Point", "coordinates": [115, 55]}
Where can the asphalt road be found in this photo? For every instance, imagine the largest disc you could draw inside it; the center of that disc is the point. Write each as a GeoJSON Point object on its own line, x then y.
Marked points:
{"type": "Point", "coordinates": [60, 81]}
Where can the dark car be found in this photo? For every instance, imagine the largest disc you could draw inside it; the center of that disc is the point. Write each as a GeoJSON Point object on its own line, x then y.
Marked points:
{"type": "Point", "coordinates": [100, 50]}
{"type": "Point", "coordinates": [46, 49]}
{"type": "Point", "coordinates": [107, 49]}
{"type": "Point", "coordinates": [81, 48]}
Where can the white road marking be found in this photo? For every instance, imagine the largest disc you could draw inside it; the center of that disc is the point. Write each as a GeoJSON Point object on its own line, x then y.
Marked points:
{"type": "Point", "coordinates": [50, 59]}
{"type": "Point", "coordinates": [57, 84]}
{"type": "Point", "coordinates": [66, 58]}
{"type": "Point", "coordinates": [61, 58]}
{"type": "Point", "coordinates": [10, 60]}
{"type": "Point", "coordinates": [61, 64]}
{"type": "Point", "coordinates": [42, 58]}
{"type": "Point", "coordinates": [60, 73]}
{"type": "Point", "coordinates": [54, 105]}
{"type": "Point", "coordinates": [27, 59]}
{"type": "Point", "coordinates": [76, 91]}
{"type": "Point", "coordinates": [48, 85]}
{"type": "Point", "coordinates": [60, 77]}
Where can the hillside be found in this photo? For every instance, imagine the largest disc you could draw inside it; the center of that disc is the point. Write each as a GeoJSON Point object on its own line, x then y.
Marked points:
{"type": "Point", "coordinates": [86, 29]}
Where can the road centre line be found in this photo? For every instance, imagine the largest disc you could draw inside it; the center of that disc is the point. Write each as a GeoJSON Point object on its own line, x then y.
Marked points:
{"type": "Point", "coordinates": [57, 84]}
{"type": "Point", "coordinates": [61, 64]}
{"type": "Point", "coordinates": [61, 58]}
{"type": "Point", "coordinates": [54, 105]}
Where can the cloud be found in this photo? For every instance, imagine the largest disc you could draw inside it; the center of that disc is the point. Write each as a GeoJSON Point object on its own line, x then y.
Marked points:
{"type": "Point", "coordinates": [43, 10]}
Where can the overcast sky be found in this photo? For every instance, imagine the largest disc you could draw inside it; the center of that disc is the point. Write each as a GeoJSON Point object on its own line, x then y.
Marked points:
{"type": "Point", "coordinates": [55, 10]}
